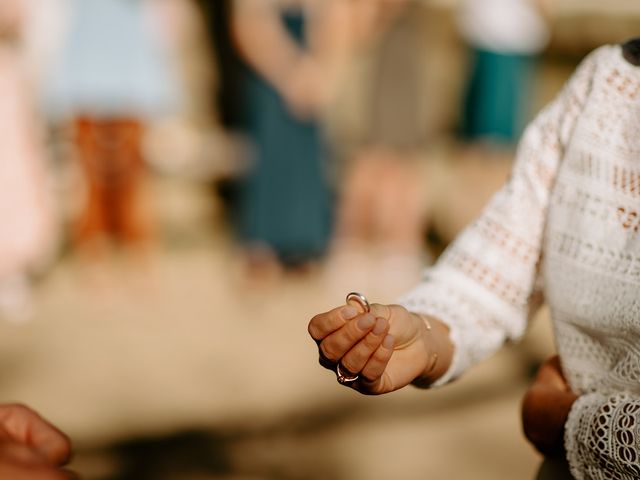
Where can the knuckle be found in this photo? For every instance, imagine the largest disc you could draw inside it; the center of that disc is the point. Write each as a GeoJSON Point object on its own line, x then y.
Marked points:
{"type": "Point", "coordinates": [64, 449]}
{"type": "Point", "coordinates": [368, 376]}
{"type": "Point", "coordinates": [372, 341]}
{"type": "Point", "coordinates": [18, 407]}
{"type": "Point", "coordinates": [312, 330]}
{"type": "Point", "coordinates": [315, 322]}
{"type": "Point", "coordinates": [20, 410]}
{"type": "Point", "coordinates": [353, 331]}
{"type": "Point", "coordinates": [326, 363]}
{"type": "Point", "coordinates": [380, 355]}
{"type": "Point", "coordinates": [350, 364]}
{"type": "Point", "coordinates": [329, 352]}
{"type": "Point", "coordinates": [370, 372]}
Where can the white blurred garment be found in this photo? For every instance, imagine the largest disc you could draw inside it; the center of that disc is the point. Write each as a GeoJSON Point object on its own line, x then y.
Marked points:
{"type": "Point", "coordinates": [43, 29]}
{"type": "Point", "coordinates": [505, 26]}
{"type": "Point", "coordinates": [26, 213]}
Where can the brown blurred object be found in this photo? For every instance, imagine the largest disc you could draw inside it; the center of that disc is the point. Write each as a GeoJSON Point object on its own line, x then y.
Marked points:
{"type": "Point", "coordinates": [579, 26]}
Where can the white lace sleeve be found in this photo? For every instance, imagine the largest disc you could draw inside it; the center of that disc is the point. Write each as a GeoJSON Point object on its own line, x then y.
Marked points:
{"type": "Point", "coordinates": [482, 285]}
{"type": "Point", "coordinates": [602, 437]}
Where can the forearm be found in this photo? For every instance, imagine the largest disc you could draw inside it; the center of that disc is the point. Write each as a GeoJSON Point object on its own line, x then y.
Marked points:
{"type": "Point", "coordinates": [331, 37]}
{"type": "Point", "coordinates": [263, 42]}
{"type": "Point", "coordinates": [546, 9]}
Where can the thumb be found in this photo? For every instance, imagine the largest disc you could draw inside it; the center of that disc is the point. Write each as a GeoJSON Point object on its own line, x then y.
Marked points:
{"type": "Point", "coordinates": [404, 325]}
{"type": "Point", "coordinates": [380, 310]}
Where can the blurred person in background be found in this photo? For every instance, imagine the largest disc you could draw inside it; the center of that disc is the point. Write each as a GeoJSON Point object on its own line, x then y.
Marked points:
{"type": "Point", "coordinates": [285, 199]}
{"type": "Point", "coordinates": [28, 230]}
{"type": "Point", "coordinates": [31, 448]}
{"type": "Point", "coordinates": [111, 78]}
{"type": "Point", "coordinates": [505, 39]}
{"type": "Point", "coordinates": [563, 229]}
{"type": "Point", "coordinates": [192, 142]}
{"type": "Point", "coordinates": [382, 189]}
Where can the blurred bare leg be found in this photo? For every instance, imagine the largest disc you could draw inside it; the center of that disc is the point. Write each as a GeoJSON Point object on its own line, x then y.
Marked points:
{"type": "Point", "coordinates": [350, 263]}
{"type": "Point", "coordinates": [354, 211]}
{"type": "Point", "coordinates": [399, 219]}
{"type": "Point", "coordinates": [399, 205]}
{"type": "Point", "coordinates": [262, 268]}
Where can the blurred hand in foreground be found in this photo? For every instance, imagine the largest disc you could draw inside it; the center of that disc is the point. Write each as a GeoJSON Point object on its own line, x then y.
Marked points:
{"type": "Point", "coordinates": [30, 447]}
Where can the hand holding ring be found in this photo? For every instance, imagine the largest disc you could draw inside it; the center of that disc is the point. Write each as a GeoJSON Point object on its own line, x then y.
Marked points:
{"type": "Point", "coordinates": [364, 307]}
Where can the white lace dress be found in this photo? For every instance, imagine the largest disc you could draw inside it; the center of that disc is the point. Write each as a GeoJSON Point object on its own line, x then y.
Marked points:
{"type": "Point", "coordinates": [568, 223]}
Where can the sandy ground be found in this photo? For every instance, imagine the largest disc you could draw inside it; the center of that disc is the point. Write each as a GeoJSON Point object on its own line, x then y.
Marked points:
{"type": "Point", "coordinates": [172, 366]}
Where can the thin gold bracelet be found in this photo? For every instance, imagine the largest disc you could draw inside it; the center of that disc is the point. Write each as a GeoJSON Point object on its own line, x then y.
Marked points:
{"type": "Point", "coordinates": [434, 362]}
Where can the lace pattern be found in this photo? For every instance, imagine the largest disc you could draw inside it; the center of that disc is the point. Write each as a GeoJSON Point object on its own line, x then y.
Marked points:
{"type": "Point", "coordinates": [573, 196]}
{"type": "Point", "coordinates": [490, 270]}
{"type": "Point", "coordinates": [602, 437]}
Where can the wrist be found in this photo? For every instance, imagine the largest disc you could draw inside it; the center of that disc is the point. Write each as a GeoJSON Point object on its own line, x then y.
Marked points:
{"type": "Point", "coordinates": [438, 351]}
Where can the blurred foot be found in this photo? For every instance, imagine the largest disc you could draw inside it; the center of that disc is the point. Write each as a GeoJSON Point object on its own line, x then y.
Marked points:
{"type": "Point", "coordinates": [302, 269]}
{"type": "Point", "coordinates": [262, 267]}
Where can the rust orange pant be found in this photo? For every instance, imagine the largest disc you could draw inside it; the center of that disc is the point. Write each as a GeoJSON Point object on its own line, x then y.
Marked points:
{"type": "Point", "coordinates": [110, 154]}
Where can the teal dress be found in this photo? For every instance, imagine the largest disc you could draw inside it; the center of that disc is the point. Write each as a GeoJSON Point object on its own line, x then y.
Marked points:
{"type": "Point", "coordinates": [497, 104]}
{"type": "Point", "coordinates": [285, 199]}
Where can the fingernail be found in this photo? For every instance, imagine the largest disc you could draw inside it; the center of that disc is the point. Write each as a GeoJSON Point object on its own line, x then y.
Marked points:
{"type": "Point", "coordinates": [381, 326]}
{"type": "Point", "coordinates": [349, 312]}
{"type": "Point", "coordinates": [366, 322]}
{"type": "Point", "coordinates": [388, 341]}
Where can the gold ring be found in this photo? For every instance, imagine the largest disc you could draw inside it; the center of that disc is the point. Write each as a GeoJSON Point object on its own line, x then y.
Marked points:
{"type": "Point", "coordinates": [360, 300]}
{"type": "Point", "coordinates": [342, 378]}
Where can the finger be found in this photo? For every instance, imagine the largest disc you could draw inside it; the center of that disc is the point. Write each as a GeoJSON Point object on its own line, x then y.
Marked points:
{"type": "Point", "coordinates": [377, 363]}
{"type": "Point", "coordinates": [14, 452]}
{"type": "Point", "coordinates": [326, 323]}
{"type": "Point", "coordinates": [28, 427]}
{"type": "Point", "coordinates": [356, 358]}
{"type": "Point", "coordinates": [334, 346]}
{"type": "Point", "coordinates": [53, 443]}
{"type": "Point", "coordinates": [26, 472]}
{"type": "Point", "coordinates": [19, 461]}
{"type": "Point", "coordinates": [70, 474]}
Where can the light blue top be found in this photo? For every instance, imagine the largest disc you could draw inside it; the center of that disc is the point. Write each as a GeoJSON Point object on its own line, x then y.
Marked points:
{"type": "Point", "coordinates": [111, 64]}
